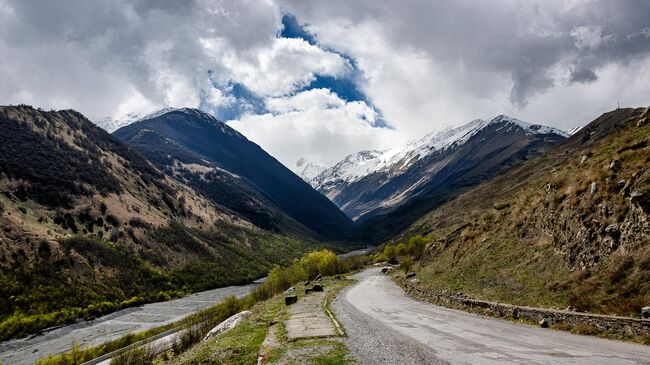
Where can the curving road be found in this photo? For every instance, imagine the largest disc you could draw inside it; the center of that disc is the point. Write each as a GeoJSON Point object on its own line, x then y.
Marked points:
{"type": "Point", "coordinates": [386, 327]}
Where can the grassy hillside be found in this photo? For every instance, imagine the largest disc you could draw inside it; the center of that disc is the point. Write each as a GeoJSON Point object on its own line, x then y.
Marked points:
{"type": "Point", "coordinates": [570, 228]}
{"type": "Point", "coordinates": [88, 226]}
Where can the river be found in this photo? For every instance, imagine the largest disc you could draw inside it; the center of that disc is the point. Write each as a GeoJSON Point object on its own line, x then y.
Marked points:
{"type": "Point", "coordinates": [28, 350]}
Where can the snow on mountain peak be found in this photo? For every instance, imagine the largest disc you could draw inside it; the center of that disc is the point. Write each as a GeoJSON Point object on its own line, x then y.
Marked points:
{"type": "Point", "coordinates": [396, 160]}
{"type": "Point", "coordinates": [308, 170]}
{"type": "Point", "coordinates": [528, 127]}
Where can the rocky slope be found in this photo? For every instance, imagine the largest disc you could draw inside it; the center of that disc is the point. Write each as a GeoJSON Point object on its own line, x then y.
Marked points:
{"type": "Point", "coordinates": [88, 225]}
{"type": "Point", "coordinates": [570, 228]}
{"type": "Point", "coordinates": [212, 157]}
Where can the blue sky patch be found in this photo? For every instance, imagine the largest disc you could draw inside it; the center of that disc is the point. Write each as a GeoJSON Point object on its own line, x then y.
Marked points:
{"type": "Point", "coordinates": [345, 86]}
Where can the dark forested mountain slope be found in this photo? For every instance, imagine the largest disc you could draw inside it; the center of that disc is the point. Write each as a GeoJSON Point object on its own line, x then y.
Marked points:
{"type": "Point", "coordinates": [214, 158]}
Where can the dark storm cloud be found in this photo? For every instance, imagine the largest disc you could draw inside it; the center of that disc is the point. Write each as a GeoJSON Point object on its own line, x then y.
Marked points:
{"type": "Point", "coordinates": [522, 39]}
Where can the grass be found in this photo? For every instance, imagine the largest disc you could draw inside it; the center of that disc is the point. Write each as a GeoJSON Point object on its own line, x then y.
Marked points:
{"type": "Point", "coordinates": [237, 347]}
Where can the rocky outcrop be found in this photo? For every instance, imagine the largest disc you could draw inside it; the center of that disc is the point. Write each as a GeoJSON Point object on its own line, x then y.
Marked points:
{"type": "Point", "coordinates": [227, 325]}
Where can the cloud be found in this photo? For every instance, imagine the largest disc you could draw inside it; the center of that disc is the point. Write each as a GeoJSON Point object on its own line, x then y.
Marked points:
{"type": "Point", "coordinates": [316, 125]}
{"type": "Point", "coordinates": [518, 44]}
{"type": "Point", "coordinates": [288, 64]}
{"type": "Point", "coordinates": [316, 79]}
{"type": "Point", "coordinates": [589, 37]}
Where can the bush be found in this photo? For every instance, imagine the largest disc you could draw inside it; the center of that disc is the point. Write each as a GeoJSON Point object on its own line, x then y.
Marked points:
{"type": "Point", "coordinates": [138, 356]}
{"type": "Point", "coordinates": [414, 247]}
{"type": "Point", "coordinates": [406, 264]}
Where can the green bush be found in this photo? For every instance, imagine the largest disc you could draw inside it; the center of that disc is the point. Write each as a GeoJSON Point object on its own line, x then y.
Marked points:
{"type": "Point", "coordinates": [413, 247]}
{"type": "Point", "coordinates": [406, 264]}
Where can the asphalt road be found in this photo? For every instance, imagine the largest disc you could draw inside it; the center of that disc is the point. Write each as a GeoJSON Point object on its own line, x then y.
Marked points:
{"type": "Point", "coordinates": [26, 351]}
{"type": "Point", "coordinates": [387, 327]}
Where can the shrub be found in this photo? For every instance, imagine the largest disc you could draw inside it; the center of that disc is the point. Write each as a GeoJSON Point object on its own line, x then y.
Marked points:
{"type": "Point", "coordinates": [138, 356]}
{"type": "Point", "coordinates": [406, 264]}
{"type": "Point", "coordinates": [619, 266]}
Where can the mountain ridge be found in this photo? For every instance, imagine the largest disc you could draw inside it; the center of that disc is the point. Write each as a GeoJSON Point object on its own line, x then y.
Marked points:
{"type": "Point", "coordinates": [199, 138]}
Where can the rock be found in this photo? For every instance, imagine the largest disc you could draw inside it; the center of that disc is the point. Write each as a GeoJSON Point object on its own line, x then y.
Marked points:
{"type": "Point", "coordinates": [593, 188]}
{"type": "Point", "coordinates": [307, 283]}
{"type": "Point", "coordinates": [290, 290]}
{"type": "Point", "coordinates": [415, 281]}
{"type": "Point", "coordinates": [410, 275]}
{"type": "Point", "coordinates": [629, 331]}
{"type": "Point", "coordinates": [615, 165]}
{"type": "Point", "coordinates": [319, 277]}
{"type": "Point", "coordinates": [543, 323]}
{"type": "Point", "coordinates": [290, 299]}
{"type": "Point", "coordinates": [645, 312]}
{"type": "Point", "coordinates": [612, 229]}
{"type": "Point", "coordinates": [636, 197]}
{"type": "Point", "coordinates": [387, 270]}
{"type": "Point", "coordinates": [625, 189]}
{"type": "Point", "coordinates": [641, 122]}
{"type": "Point", "coordinates": [228, 324]}
{"type": "Point", "coordinates": [583, 159]}
{"type": "Point", "coordinates": [317, 287]}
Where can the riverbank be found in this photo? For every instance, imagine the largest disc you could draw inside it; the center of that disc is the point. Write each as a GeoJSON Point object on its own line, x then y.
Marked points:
{"type": "Point", "coordinates": [28, 350]}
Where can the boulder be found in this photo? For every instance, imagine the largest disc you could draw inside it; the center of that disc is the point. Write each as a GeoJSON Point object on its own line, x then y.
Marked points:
{"type": "Point", "coordinates": [227, 325]}
{"type": "Point", "coordinates": [629, 331]}
{"type": "Point", "coordinates": [645, 312]}
{"type": "Point", "coordinates": [387, 270]}
{"type": "Point", "coordinates": [290, 290]}
{"type": "Point", "coordinates": [307, 283]}
{"type": "Point", "coordinates": [290, 299]}
{"type": "Point", "coordinates": [319, 277]}
{"type": "Point", "coordinates": [317, 287]}
{"type": "Point", "coordinates": [543, 323]}
{"type": "Point", "coordinates": [410, 275]}
{"type": "Point", "coordinates": [593, 188]}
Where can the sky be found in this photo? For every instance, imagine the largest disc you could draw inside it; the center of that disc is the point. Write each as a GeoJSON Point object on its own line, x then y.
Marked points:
{"type": "Point", "coordinates": [323, 79]}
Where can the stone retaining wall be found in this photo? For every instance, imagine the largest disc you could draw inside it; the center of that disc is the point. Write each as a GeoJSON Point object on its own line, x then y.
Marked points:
{"type": "Point", "coordinates": [625, 326]}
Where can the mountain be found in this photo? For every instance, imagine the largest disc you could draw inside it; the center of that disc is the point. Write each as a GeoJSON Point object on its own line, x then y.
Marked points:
{"type": "Point", "coordinates": [88, 226]}
{"type": "Point", "coordinates": [387, 190]}
{"type": "Point", "coordinates": [210, 156]}
{"type": "Point", "coordinates": [111, 124]}
{"type": "Point", "coordinates": [308, 170]}
{"type": "Point", "coordinates": [569, 228]}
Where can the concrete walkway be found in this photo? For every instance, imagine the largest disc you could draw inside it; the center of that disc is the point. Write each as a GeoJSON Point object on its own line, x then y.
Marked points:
{"type": "Point", "coordinates": [307, 319]}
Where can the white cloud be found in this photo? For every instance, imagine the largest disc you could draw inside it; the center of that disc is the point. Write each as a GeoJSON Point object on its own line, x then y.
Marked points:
{"type": "Point", "coordinates": [589, 37]}
{"type": "Point", "coordinates": [316, 125]}
{"type": "Point", "coordinates": [286, 65]}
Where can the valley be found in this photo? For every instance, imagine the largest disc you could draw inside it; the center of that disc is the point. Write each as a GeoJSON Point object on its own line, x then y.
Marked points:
{"type": "Point", "coordinates": [180, 203]}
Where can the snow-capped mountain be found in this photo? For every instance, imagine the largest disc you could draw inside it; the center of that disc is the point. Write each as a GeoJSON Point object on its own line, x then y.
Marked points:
{"type": "Point", "coordinates": [110, 124]}
{"type": "Point", "coordinates": [308, 170]}
{"type": "Point", "coordinates": [372, 183]}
